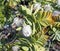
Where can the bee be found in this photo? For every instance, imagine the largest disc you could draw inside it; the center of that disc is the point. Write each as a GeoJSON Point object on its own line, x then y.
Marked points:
{"type": "Point", "coordinates": [56, 16]}
{"type": "Point", "coordinates": [53, 17]}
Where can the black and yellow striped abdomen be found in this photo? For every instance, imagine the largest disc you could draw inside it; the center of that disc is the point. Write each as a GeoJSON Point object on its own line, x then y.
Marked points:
{"type": "Point", "coordinates": [56, 18]}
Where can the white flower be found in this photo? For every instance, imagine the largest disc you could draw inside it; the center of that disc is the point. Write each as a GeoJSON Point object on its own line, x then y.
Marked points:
{"type": "Point", "coordinates": [18, 21]}
{"type": "Point", "coordinates": [37, 6]}
{"type": "Point", "coordinates": [15, 48]}
{"type": "Point", "coordinates": [47, 7]}
{"type": "Point", "coordinates": [26, 30]}
{"type": "Point", "coordinates": [56, 13]}
{"type": "Point", "coordinates": [58, 2]}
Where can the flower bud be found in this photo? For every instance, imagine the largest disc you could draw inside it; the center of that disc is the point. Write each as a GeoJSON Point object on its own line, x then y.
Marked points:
{"type": "Point", "coordinates": [15, 48]}
{"type": "Point", "coordinates": [37, 6]}
{"type": "Point", "coordinates": [18, 21]}
{"type": "Point", "coordinates": [47, 7]}
{"type": "Point", "coordinates": [26, 30]}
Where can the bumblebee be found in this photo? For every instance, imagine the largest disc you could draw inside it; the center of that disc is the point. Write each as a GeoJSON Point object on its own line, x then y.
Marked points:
{"type": "Point", "coordinates": [56, 16]}
{"type": "Point", "coordinates": [53, 17]}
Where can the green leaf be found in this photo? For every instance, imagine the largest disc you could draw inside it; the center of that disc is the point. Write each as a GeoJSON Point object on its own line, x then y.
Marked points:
{"type": "Point", "coordinates": [19, 28]}
{"type": "Point", "coordinates": [29, 22]}
{"type": "Point", "coordinates": [25, 48]}
{"type": "Point", "coordinates": [54, 29]}
{"type": "Point", "coordinates": [25, 10]}
{"type": "Point", "coordinates": [43, 24]}
{"type": "Point", "coordinates": [0, 45]}
{"type": "Point", "coordinates": [25, 41]}
{"type": "Point", "coordinates": [34, 30]}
